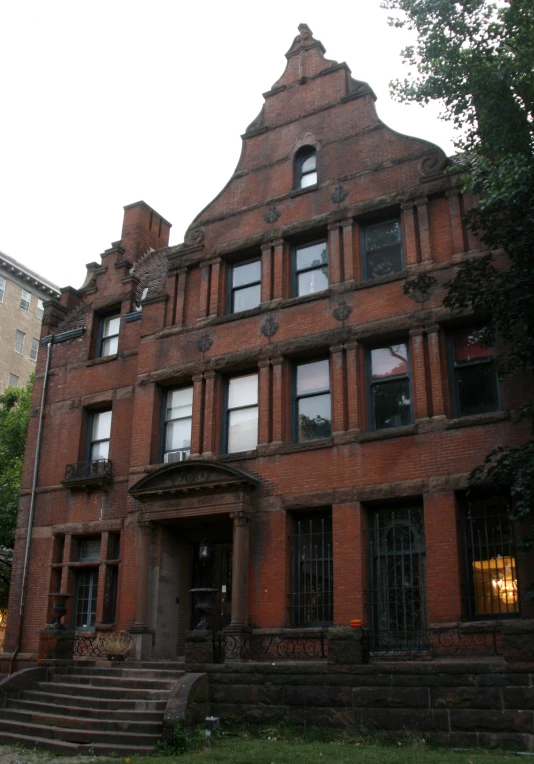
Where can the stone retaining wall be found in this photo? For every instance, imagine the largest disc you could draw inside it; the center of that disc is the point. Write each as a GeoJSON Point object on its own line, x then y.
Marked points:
{"type": "Point", "coordinates": [486, 703]}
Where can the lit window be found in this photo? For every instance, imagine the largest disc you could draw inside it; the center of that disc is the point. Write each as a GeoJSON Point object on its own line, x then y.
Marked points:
{"type": "Point", "coordinates": [245, 286]}
{"type": "Point", "coordinates": [2, 288]}
{"type": "Point", "coordinates": [100, 432]}
{"type": "Point", "coordinates": [306, 167]}
{"type": "Point", "coordinates": [40, 308]}
{"type": "Point", "coordinates": [242, 413]}
{"type": "Point", "coordinates": [110, 336]}
{"type": "Point", "coordinates": [475, 389]}
{"type": "Point", "coordinates": [382, 249]}
{"type": "Point", "coordinates": [178, 418]}
{"type": "Point", "coordinates": [13, 380]}
{"type": "Point", "coordinates": [34, 349]}
{"type": "Point", "coordinates": [25, 300]}
{"type": "Point", "coordinates": [310, 266]}
{"type": "Point", "coordinates": [312, 407]}
{"type": "Point", "coordinates": [19, 341]}
{"type": "Point", "coordinates": [389, 394]}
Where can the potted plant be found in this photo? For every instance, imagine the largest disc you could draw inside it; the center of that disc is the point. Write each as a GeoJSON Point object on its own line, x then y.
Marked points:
{"type": "Point", "coordinates": [117, 645]}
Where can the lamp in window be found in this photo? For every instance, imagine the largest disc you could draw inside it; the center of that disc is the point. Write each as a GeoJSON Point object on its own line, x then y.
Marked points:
{"type": "Point", "coordinates": [504, 582]}
{"type": "Point", "coordinates": [204, 552]}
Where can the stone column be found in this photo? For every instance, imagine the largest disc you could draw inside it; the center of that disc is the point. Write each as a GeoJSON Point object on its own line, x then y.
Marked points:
{"type": "Point", "coordinates": [278, 270]}
{"type": "Point", "coordinates": [140, 630]}
{"type": "Point", "coordinates": [209, 414]}
{"type": "Point", "coordinates": [410, 242]}
{"type": "Point", "coordinates": [335, 274]}
{"type": "Point", "coordinates": [198, 414]}
{"type": "Point", "coordinates": [455, 213]}
{"type": "Point", "coordinates": [354, 386]}
{"type": "Point", "coordinates": [347, 227]}
{"type": "Point", "coordinates": [179, 317]}
{"type": "Point", "coordinates": [239, 571]}
{"type": "Point", "coordinates": [424, 229]}
{"type": "Point", "coordinates": [277, 400]}
{"type": "Point", "coordinates": [266, 272]}
{"type": "Point", "coordinates": [419, 381]}
{"type": "Point", "coordinates": [337, 386]}
{"type": "Point", "coordinates": [437, 374]}
{"type": "Point", "coordinates": [204, 290]}
{"type": "Point", "coordinates": [264, 401]}
{"type": "Point", "coordinates": [215, 286]}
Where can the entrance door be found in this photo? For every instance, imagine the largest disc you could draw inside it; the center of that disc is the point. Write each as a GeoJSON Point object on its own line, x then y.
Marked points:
{"type": "Point", "coordinates": [215, 573]}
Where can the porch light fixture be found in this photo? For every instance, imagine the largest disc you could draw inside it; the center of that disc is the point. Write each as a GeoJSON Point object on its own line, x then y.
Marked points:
{"type": "Point", "coordinates": [204, 551]}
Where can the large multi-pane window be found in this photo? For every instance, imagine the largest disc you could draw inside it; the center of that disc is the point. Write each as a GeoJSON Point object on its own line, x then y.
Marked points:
{"type": "Point", "coordinates": [310, 268]}
{"type": "Point", "coordinates": [25, 300]}
{"type": "Point", "coordinates": [382, 249]}
{"type": "Point", "coordinates": [313, 585]}
{"type": "Point", "coordinates": [490, 558]}
{"type": "Point", "coordinates": [19, 341]}
{"type": "Point", "coordinates": [312, 406]}
{"type": "Point", "coordinates": [86, 583]}
{"type": "Point", "coordinates": [2, 288]}
{"type": "Point", "coordinates": [178, 418]}
{"type": "Point", "coordinates": [474, 384]}
{"type": "Point", "coordinates": [109, 340]}
{"type": "Point", "coordinates": [389, 387]}
{"type": "Point", "coordinates": [306, 167]}
{"type": "Point", "coordinates": [242, 413]}
{"type": "Point", "coordinates": [99, 435]}
{"type": "Point", "coordinates": [245, 286]}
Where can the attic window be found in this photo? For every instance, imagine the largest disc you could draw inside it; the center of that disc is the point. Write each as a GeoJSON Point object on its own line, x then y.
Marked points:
{"type": "Point", "coordinates": [306, 167]}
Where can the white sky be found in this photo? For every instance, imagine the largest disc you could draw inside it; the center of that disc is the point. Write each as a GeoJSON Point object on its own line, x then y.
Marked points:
{"type": "Point", "coordinates": [108, 102]}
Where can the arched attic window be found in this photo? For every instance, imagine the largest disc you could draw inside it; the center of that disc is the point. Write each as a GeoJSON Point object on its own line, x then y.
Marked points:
{"type": "Point", "coordinates": [306, 167]}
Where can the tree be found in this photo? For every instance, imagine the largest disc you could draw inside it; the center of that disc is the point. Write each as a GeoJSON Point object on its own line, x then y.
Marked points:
{"type": "Point", "coordinates": [476, 58]}
{"type": "Point", "coordinates": [15, 406]}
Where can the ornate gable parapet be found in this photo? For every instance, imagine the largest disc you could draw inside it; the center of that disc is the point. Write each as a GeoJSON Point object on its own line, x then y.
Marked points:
{"type": "Point", "coordinates": [192, 477]}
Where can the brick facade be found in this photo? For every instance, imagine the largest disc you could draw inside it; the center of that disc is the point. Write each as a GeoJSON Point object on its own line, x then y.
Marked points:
{"type": "Point", "coordinates": [337, 482]}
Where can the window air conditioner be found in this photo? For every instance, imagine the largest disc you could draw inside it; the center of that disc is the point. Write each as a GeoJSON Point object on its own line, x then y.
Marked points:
{"type": "Point", "coordinates": [175, 456]}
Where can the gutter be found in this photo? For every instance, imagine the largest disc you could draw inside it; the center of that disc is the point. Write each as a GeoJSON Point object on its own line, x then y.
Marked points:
{"type": "Point", "coordinates": [48, 341]}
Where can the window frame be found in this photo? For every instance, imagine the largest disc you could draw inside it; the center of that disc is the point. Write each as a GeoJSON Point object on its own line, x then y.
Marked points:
{"type": "Point", "coordinates": [231, 290]}
{"type": "Point", "coordinates": [23, 299]}
{"type": "Point", "coordinates": [39, 311]}
{"type": "Point", "coordinates": [295, 398]}
{"type": "Point", "coordinates": [91, 571]}
{"type": "Point", "coordinates": [369, 384]}
{"type": "Point", "coordinates": [101, 338]}
{"type": "Point", "coordinates": [295, 272]}
{"type": "Point", "coordinates": [3, 287]}
{"type": "Point", "coordinates": [21, 351]}
{"type": "Point", "coordinates": [13, 376]}
{"type": "Point", "coordinates": [304, 153]}
{"type": "Point", "coordinates": [226, 411]}
{"type": "Point", "coordinates": [34, 349]}
{"type": "Point", "coordinates": [163, 421]}
{"type": "Point", "coordinates": [363, 246]}
{"type": "Point", "coordinates": [452, 377]}
{"type": "Point", "coordinates": [90, 442]}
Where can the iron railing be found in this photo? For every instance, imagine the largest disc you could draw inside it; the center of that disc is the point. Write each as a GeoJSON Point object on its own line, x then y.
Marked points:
{"type": "Point", "coordinates": [263, 647]}
{"type": "Point", "coordinates": [99, 468]}
{"type": "Point", "coordinates": [437, 643]}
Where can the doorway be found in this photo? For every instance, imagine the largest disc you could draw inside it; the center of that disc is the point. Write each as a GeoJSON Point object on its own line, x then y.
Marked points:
{"type": "Point", "coordinates": [214, 572]}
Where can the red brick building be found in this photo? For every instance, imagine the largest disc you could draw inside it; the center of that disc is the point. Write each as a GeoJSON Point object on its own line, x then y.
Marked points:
{"type": "Point", "coordinates": [261, 410]}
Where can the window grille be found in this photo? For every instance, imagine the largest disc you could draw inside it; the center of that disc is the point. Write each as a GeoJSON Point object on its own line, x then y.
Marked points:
{"type": "Point", "coordinates": [313, 573]}
{"type": "Point", "coordinates": [490, 559]}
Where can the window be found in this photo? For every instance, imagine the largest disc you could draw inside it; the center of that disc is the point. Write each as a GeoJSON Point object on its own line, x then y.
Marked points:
{"type": "Point", "coordinates": [19, 341]}
{"type": "Point", "coordinates": [312, 409]}
{"type": "Point", "coordinates": [25, 300]}
{"type": "Point", "coordinates": [99, 435]}
{"type": "Point", "coordinates": [242, 413]}
{"type": "Point", "coordinates": [474, 383]}
{"type": "Point", "coordinates": [34, 349]}
{"type": "Point", "coordinates": [40, 308]}
{"type": "Point", "coordinates": [109, 340]}
{"type": "Point", "coordinates": [310, 268]}
{"type": "Point", "coordinates": [2, 288]}
{"type": "Point", "coordinates": [490, 558]}
{"type": "Point", "coordinates": [244, 286]}
{"type": "Point", "coordinates": [306, 167]}
{"type": "Point", "coordinates": [13, 380]}
{"type": "Point", "coordinates": [313, 574]}
{"type": "Point", "coordinates": [89, 549]}
{"type": "Point", "coordinates": [85, 603]}
{"type": "Point", "coordinates": [389, 394]}
{"type": "Point", "coordinates": [382, 249]}
{"type": "Point", "coordinates": [177, 427]}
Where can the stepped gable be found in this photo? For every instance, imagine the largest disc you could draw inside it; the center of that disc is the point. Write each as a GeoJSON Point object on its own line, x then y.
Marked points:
{"type": "Point", "coordinates": [151, 270]}
{"type": "Point", "coordinates": [74, 320]}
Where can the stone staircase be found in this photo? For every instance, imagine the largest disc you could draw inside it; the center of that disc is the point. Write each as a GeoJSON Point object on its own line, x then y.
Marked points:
{"type": "Point", "coordinates": [93, 707]}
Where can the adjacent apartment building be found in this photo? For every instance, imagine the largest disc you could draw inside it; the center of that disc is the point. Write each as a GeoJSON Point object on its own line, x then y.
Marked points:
{"type": "Point", "coordinates": [262, 412]}
{"type": "Point", "coordinates": [22, 295]}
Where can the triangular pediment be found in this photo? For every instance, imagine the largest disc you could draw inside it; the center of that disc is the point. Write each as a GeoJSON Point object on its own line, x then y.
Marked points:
{"type": "Point", "coordinates": [192, 477]}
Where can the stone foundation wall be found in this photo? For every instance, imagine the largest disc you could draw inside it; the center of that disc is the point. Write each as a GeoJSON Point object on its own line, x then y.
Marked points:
{"type": "Point", "coordinates": [486, 703]}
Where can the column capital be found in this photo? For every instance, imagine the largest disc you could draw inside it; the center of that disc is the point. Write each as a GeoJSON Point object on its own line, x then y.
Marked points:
{"type": "Point", "coordinates": [416, 331]}
{"type": "Point", "coordinates": [421, 201]}
{"type": "Point", "coordinates": [333, 227]}
{"type": "Point", "coordinates": [240, 518]}
{"type": "Point", "coordinates": [210, 374]}
{"type": "Point", "coordinates": [266, 246]}
{"type": "Point", "coordinates": [182, 271]}
{"type": "Point", "coordinates": [432, 328]}
{"type": "Point", "coordinates": [263, 363]}
{"type": "Point", "coordinates": [452, 192]}
{"type": "Point", "coordinates": [346, 223]}
{"type": "Point", "coordinates": [277, 361]}
{"type": "Point", "coordinates": [351, 345]}
{"type": "Point", "coordinates": [407, 205]}
{"type": "Point", "coordinates": [204, 264]}
{"type": "Point", "coordinates": [336, 348]}
{"type": "Point", "coordinates": [145, 526]}
{"type": "Point", "coordinates": [198, 377]}
{"type": "Point", "coordinates": [278, 242]}
{"type": "Point", "coordinates": [215, 260]}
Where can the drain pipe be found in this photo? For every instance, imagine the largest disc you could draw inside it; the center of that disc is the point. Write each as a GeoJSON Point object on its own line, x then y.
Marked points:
{"type": "Point", "coordinates": [32, 506]}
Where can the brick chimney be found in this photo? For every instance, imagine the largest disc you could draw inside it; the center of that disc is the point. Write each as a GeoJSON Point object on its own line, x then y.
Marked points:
{"type": "Point", "coordinates": [143, 228]}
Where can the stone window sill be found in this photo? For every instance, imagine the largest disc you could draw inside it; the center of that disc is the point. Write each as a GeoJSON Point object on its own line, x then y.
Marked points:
{"type": "Point", "coordinates": [105, 359]}
{"type": "Point", "coordinates": [477, 419]}
{"type": "Point", "coordinates": [393, 432]}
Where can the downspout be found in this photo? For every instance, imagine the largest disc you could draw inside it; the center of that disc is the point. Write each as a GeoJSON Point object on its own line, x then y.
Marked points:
{"type": "Point", "coordinates": [32, 507]}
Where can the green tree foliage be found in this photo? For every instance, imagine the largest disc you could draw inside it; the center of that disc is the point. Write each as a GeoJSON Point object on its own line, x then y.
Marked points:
{"type": "Point", "coordinates": [476, 58]}
{"type": "Point", "coordinates": [15, 406]}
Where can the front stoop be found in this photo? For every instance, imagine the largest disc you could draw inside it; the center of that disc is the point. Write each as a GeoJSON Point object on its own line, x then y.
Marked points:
{"type": "Point", "coordinates": [93, 707]}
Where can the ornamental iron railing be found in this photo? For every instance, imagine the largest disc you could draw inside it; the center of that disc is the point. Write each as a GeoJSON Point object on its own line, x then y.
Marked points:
{"type": "Point", "coordinates": [99, 468]}
{"type": "Point", "coordinates": [263, 647]}
{"type": "Point", "coordinates": [437, 643]}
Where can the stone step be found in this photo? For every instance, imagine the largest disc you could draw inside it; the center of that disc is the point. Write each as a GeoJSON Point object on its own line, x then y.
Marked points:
{"type": "Point", "coordinates": [64, 748]}
{"type": "Point", "coordinates": [98, 691]}
{"type": "Point", "coordinates": [110, 704]}
{"type": "Point", "coordinates": [118, 713]}
{"type": "Point", "coordinates": [125, 671]}
{"type": "Point", "coordinates": [119, 682]}
{"type": "Point", "coordinates": [53, 717]}
{"type": "Point", "coordinates": [161, 665]}
{"type": "Point", "coordinates": [78, 735]}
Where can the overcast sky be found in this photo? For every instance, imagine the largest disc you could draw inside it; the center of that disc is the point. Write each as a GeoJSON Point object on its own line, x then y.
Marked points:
{"type": "Point", "coordinates": [106, 103]}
